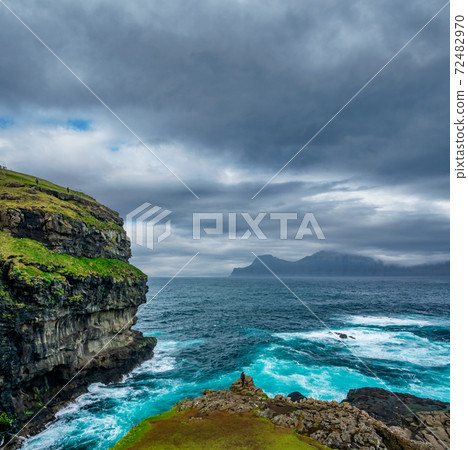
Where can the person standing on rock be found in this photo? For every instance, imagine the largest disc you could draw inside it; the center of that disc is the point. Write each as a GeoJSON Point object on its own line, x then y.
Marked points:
{"type": "Point", "coordinates": [243, 378]}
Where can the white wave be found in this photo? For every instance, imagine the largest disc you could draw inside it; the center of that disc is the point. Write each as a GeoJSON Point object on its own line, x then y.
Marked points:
{"type": "Point", "coordinates": [159, 363]}
{"type": "Point", "coordinates": [163, 359]}
{"type": "Point", "coordinates": [95, 387]}
{"type": "Point", "coordinates": [383, 321]}
{"type": "Point", "coordinates": [97, 392]}
{"type": "Point", "coordinates": [169, 346]}
{"type": "Point", "coordinates": [280, 376]}
{"type": "Point", "coordinates": [81, 402]}
{"type": "Point", "coordinates": [85, 418]}
{"type": "Point", "coordinates": [380, 344]}
{"type": "Point", "coordinates": [86, 425]}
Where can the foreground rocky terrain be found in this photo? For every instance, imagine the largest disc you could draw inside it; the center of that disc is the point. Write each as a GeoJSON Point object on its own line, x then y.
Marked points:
{"type": "Point", "coordinates": [317, 424]}
{"type": "Point", "coordinates": [420, 419]}
{"type": "Point", "coordinates": [68, 298]}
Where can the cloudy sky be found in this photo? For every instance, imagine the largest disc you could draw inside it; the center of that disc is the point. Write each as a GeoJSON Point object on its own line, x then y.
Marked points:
{"type": "Point", "coordinates": [225, 93]}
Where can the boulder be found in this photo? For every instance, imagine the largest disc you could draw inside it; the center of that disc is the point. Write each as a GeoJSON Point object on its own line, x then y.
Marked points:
{"type": "Point", "coordinates": [342, 335]}
{"type": "Point", "coordinates": [249, 387]}
{"type": "Point", "coordinates": [296, 396]}
{"type": "Point", "coordinates": [392, 407]}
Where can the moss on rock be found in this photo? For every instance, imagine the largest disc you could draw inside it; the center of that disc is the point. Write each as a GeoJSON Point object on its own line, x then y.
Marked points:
{"type": "Point", "coordinates": [33, 262]}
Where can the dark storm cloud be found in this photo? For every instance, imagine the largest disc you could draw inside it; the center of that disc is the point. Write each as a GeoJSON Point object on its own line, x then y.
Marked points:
{"type": "Point", "coordinates": [245, 84]}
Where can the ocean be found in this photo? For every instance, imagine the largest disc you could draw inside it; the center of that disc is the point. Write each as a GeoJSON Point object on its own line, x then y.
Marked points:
{"type": "Point", "coordinates": [211, 329]}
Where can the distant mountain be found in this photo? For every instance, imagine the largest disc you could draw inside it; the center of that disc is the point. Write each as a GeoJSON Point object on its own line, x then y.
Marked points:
{"type": "Point", "coordinates": [326, 263]}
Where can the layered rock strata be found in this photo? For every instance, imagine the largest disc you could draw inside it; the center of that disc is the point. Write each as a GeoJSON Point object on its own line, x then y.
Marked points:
{"type": "Point", "coordinates": [68, 299]}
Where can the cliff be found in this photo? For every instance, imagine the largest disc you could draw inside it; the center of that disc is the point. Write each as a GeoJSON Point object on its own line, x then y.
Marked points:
{"type": "Point", "coordinates": [245, 417]}
{"type": "Point", "coordinates": [327, 263]}
{"type": "Point", "coordinates": [68, 297]}
{"type": "Point", "coordinates": [66, 222]}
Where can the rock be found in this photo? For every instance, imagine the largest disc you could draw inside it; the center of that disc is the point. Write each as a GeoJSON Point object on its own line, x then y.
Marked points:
{"type": "Point", "coordinates": [342, 335]}
{"type": "Point", "coordinates": [390, 407]}
{"type": "Point", "coordinates": [208, 391]}
{"type": "Point", "coordinates": [432, 427]}
{"type": "Point", "coordinates": [267, 413]}
{"type": "Point", "coordinates": [14, 184]}
{"type": "Point", "coordinates": [65, 234]}
{"type": "Point", "coordinates": [249, 387]}
{"type": "Point", "coordinates": [296, 396]}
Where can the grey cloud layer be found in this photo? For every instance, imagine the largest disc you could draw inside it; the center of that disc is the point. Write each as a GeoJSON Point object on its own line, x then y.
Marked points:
{"type": "Point", "coordinates": [246, 84]}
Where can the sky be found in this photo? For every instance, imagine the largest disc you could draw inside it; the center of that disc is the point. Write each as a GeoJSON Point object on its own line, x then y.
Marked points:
{"type": "Point", "coordinates": [224, 93]}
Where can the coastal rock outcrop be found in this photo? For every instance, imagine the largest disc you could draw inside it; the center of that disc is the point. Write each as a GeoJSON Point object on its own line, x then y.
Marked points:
{"type": "Point", "coordinates": [392, 407]}
{"type": "Point", "coordinates": [419, 419]}
{"type": "Point", "coordinates": [332, 424]}
{"type": "Point", "coordinates": [68, 299]}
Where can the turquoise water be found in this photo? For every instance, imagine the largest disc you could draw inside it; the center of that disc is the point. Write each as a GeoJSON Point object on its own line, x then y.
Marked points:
{"type": "Point", "coordinates": [209, 330]}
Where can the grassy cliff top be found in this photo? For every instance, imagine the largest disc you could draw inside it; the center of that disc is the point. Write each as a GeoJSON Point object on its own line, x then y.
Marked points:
{"type": "Point", "coordinates": [218, 430]}
{"type": "Point", "coordinates": [18, 190]}
{"type": "Point", "coordinates": [10, 176]}
{"type": "Point", "coordinates": [32, 261]}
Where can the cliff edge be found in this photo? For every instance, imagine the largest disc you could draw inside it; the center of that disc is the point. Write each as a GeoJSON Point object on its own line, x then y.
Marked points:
{"type": "Point", "coordinates": [68, 297]}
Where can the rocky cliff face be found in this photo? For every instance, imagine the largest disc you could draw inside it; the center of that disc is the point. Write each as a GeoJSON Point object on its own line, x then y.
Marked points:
{"type": "Point", "coordinates": [68, 299]}
{"type": "Point", "coordinates": [64, 222]}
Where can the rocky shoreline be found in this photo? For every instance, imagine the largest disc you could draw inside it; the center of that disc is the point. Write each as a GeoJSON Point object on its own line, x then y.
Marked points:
{"type": "Point", "coordinates": [422, 424]}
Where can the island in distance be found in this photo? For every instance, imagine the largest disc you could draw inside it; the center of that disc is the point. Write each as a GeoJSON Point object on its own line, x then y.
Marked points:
{"type": "Point", "coordinates": [328, 263]}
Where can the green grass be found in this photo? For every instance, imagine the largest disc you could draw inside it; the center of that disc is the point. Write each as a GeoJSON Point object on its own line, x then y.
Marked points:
{"type": "Point", "coordinates": [5, 421]}
{"type": "Point", "coordinates": [415, 408]}
{"type": "Point", "coordinates": [33, 262]}
{"type": "Point", "coordinates": [10, 176]}
{"type": "Point", "coordinates": [217, 430]}
{"type": "Point", "coordinates": [19, 196]}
